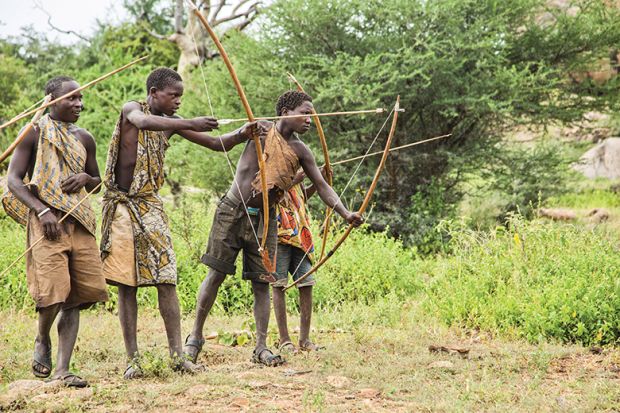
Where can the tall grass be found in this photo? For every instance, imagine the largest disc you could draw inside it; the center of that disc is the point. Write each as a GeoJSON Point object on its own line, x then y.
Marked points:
{"type": "Point", "coordinates": [536, 280]}
{"type": "Point", "coordinates": [532, 279]}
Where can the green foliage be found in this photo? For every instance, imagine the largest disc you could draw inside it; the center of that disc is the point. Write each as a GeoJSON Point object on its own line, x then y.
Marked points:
{"type": "Point", "coordinates": [525, 176]}
{"type": "Point", "coordinates": [369, 266]}
{"type": "Point", "coordinates": [427, 208]}
{"type": "Point", "coordinates": [590, 198]}
{"type": "Point", "coordinates": [535, 280]}
{"type": "Point", "coordinates": [461, 67]}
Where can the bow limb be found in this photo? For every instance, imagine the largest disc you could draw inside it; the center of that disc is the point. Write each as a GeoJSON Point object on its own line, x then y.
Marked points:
{"type": "Point", "coordinates": [255, 138]}
{"type": "Point", "coordinates": [25, 131]}
{"type": "Point", "coordinates": [327, 166]}
{"type": "Point", "coordinates": [366, 201]}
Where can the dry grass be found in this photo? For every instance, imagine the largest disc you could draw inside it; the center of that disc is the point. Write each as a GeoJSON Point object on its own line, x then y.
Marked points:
{"type": "Point", "coordinates": [382, 363]}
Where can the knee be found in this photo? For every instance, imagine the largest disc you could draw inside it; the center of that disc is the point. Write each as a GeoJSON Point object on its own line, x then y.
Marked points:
{"type": "Point", "coordinates": [127, 292]}
{"type": "Point", "coordinates": [260, 288]}
{"type": "Point", "coordinates": [165, 291]}
{"type": "Point", "coordinates": [214, 278]}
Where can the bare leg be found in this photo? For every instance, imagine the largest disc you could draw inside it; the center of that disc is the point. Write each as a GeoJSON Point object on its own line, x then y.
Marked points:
{"type": "Point", "coordinates": [279, 308]}
{"type": "Point", "coordinates": [305, 310]}
{"type": "Point", "coordinates": [261, 317]}
{"type": "Point", "coordinates": [43, 342]}
{"type": "Point", "coordinates": [68, 326]}
{"type": "Point", "coordinates": [128, 316]}
{"type": "Point", "coordinates": [171, 313]}
{"type": "Point", "coordinates": [206, 298]}
{"type": "Point", "coordinates": [261, 312]}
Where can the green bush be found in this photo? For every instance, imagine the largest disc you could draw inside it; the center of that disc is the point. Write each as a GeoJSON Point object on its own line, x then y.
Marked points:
{"type": "Point", "coordinates": [535, 280]}
{"type": "Point", "coordinates": [367, 267]}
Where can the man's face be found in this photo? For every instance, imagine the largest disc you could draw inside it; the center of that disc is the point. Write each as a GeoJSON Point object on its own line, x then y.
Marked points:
{"type": "Point", "coordinates": [302, 124]}
{"type": "Point", "coordinates": [68, 109]}
{"type": "Point", "coordinates": [168, 99]}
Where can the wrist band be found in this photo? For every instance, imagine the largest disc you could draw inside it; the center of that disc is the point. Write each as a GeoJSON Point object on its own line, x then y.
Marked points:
{"type": "Point", "coordinates": [45, 211]}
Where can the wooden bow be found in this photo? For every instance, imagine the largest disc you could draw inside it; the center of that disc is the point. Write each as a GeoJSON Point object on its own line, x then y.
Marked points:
{"type": "Point", "coordinates": [327, 167]}
{"type": "Point", "coordinates": [365, 203]}
{"type": "Point", "coordinates": [269, 264]}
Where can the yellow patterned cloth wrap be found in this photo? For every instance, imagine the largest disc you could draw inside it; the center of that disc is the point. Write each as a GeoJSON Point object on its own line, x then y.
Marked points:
{"type": "Point", "coordinates": [60, 154]}
{"type": "Point", "coordinates": [155, 259]}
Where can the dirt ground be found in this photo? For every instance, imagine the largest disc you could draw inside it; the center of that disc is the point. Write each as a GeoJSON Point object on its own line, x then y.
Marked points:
{"type": "Point", "coordinates": [382, 364]}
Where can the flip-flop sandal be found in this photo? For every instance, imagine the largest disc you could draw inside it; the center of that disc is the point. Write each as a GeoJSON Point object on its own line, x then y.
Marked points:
{"type": "Point", "coordinates": [271, 360]}
{"type": "Point", "coordinates": [180, 367]}
{"type": "Point", "coordinates": [196, 344]}
{"type": "Point", "coordinates": [71, 380]}
{"type": "Point", "coordinates": [287, 347]}
{"type": "Point", "coordinates": [310, 346]}
{"type": "Point", "coordinates": [44, 361]}
{"type": "Point", "coordinates": [133, 371]}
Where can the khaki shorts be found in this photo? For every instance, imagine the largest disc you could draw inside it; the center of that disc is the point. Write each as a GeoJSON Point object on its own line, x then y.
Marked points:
{"type": "Point", "coordinates": [67, 270]}
{"type": "Point", "coordinates": [119, 266]}
{"type": "Point", "coordinates": [231, 232]}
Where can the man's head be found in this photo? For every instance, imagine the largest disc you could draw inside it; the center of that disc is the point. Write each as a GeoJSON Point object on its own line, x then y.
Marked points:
{"type": "Point", "coordinates": [295, 103]}
{"type": "Point", "coordinates": [68, 109]}
{"type": "Point", "coordinates": [164, 87]}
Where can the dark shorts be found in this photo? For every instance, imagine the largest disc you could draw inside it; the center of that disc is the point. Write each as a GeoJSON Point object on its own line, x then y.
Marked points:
{"type": "Point", "coordinates": [294, 261]}
{"type": "Point", "coordinates": [232, 232]}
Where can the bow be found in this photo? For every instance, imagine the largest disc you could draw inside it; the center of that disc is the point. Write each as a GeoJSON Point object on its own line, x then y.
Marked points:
{"type": "Point", "coordinates": [269, 264]}
{"type": "Point", "coordinates": [327, 167]}
{"type": "Point", "coordinates": [366, 201]}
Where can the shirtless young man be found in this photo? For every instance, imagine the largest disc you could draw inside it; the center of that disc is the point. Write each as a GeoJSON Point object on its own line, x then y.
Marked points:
{"type": "Point", "coordinates": [234, 229]}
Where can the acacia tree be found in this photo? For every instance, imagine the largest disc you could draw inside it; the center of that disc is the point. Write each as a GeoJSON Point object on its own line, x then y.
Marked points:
{"type": "Point", "coordinates": [470, 68]}
{"type": "Point", "coordinates": [186, 32]}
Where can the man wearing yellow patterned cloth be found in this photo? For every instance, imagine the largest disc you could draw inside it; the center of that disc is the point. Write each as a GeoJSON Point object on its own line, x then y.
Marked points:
{"type": "Point", "coordinates": [64, 270]}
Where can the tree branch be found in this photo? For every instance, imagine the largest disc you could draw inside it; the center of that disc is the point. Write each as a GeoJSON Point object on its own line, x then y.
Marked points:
{"type": "Point", "coordinates": [178, 16]}
{"type": "Point", "coordinates": [39, 6]}
{"type": "Point", "coordinates": [248, 14]}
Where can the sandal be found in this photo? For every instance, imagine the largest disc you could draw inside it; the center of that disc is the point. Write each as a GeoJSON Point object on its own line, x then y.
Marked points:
{"type": "Point", "coordinates": [133, 371]}
{"type": "Point", "coordinates": [270, 360]}
{"type": "Point", "coordinates": [287, 347]}
{"type": "Point", "coordinates": [42, 361]}
{"type": "Point", "coordinates": [71, 380]}
{"type": "Point", "coordinates": [310, 346]}
{"type": "Point", "coordinates": [194, 343]}
{"type": "Point", "coordinates": [184, 366]}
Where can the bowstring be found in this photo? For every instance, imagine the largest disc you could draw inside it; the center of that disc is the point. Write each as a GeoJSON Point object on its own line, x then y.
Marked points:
{"type": "Point", "coordinates": [219, 137]}
{"type": "Point", "coordinates": [351, 178]}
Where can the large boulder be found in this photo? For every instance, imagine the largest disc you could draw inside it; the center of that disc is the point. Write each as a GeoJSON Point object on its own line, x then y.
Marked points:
{"type": "Point", "coordinates": [602, 161]}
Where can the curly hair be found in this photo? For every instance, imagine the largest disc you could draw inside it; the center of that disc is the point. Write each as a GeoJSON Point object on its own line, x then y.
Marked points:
{"type": "Point", "coordinates": [54, 84]}
{"type": "Point", "coordinates": [290, 100]}
{"type": "Point", "coordinates": [162, 77]}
